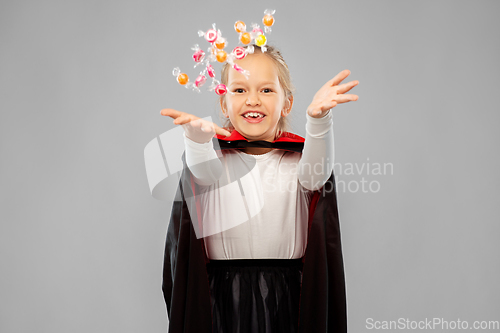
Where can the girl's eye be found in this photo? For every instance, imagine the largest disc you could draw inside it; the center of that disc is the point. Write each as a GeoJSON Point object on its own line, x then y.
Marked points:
{"type": "Point", "coordinates": [239, 91]}
{"type": "Point", "coordinates": [267, 90]}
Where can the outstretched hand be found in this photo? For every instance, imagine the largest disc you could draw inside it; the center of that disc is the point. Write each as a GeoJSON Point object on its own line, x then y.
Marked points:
{"type": "Point", "coordinates": [331, 94]}
{"type": "Point", "coordinates": [196, 129]}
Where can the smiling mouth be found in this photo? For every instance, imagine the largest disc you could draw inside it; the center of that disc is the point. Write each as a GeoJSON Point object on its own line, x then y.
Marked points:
{"type": "Point", "coordinates": [253, 115]}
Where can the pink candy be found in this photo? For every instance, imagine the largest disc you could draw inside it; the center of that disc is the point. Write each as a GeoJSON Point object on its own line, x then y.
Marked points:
{"type": "Point", "coordinates": [257, 31]}
{"type": "Point", "coordinates": [221, 89]}
{"type": "Point", "coordinates": [238, 68]}
{"type": "Point", "coordinates": [239, 52]}
{"type": "Point", "coordinates": [199, 55]}
{"type": "Point", "coordinates": [211, 35]}
{"type": "Point", "coordinates": [200, 80]}
{"type": "Point", "coordinates": [241, 70]}
{"type": "Point", "coordinates": [210, 71]}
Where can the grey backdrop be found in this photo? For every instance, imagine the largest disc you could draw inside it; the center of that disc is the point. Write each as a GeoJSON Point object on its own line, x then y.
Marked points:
{"type": "Point", "coordinates": [82, 84]}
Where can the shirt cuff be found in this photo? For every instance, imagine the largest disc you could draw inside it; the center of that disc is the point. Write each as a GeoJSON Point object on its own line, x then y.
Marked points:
{"type": "Point", "coordinates": [318, 127]}
{"type": "Point", "coordinates": [199, 147]}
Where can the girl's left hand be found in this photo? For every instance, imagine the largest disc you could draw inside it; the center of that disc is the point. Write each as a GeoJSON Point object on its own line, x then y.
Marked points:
{"type": "Point", "coordinates": [331, 94]}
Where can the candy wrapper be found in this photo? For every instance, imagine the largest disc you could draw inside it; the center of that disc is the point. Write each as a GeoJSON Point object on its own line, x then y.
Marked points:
{"type": "Point", "coordinates": [198, 55]}
{"type": "Point", "coordinates": [182, 78]}
{"type": "Point", "coordinates": [210, 35]}
{"type": "Point", "coordinates": [268, 20]}
{"type": "Point", "coordinates": [219, 88]}
{"type": "Point", "coordinates": [216, 53]}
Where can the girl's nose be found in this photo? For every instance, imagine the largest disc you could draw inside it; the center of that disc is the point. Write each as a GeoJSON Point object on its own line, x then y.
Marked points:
{"type": "Point", "coordinates": [253, 99]}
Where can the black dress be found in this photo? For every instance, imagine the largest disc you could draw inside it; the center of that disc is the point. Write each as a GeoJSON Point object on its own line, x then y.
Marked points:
{"type": "Point", "coordinates": [255, 295]}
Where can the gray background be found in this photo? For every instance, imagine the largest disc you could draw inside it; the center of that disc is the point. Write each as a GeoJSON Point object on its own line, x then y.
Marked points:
{"type": "Point", "coordinates": [81, 87]}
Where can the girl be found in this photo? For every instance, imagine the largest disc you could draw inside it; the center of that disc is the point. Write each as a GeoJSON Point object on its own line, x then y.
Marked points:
{"type": "Point", "coordinates": [267, 260]}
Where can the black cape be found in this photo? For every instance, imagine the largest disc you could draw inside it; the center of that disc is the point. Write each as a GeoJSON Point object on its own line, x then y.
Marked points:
{"type": "Point", "coordinates": [185, 279]}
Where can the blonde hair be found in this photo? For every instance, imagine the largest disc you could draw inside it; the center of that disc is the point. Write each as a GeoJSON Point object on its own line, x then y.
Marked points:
{"type": "Point", "coordinates": [285, 81]}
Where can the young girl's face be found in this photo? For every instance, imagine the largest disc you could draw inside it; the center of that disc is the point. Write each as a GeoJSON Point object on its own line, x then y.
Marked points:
{"type": "Point", "coordinates": [261, 93]}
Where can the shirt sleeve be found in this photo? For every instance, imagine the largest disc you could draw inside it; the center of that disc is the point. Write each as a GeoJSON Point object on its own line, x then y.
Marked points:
{"type": "Point", "coordinates": [202, 161]}
{"type": "Point", "coordinates": [317, 161]}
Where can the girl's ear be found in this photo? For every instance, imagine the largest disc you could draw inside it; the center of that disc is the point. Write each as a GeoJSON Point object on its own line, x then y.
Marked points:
{"type": "Point", "coordinates": [288, 107]}
{"type": "Point", "coordinates": [222, 103]}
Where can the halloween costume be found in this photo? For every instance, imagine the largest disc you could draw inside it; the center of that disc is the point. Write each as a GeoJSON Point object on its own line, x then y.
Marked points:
{"type": "Point", "coordinates": [185, 278]}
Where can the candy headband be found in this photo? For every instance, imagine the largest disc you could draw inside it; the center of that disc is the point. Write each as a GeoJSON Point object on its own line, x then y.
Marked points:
{"type": "Point", "coordinates": [216, 53]}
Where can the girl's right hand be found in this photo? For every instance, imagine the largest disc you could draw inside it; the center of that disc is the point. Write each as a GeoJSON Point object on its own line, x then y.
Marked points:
{"type": "Point", "coordinates": [196, 129]}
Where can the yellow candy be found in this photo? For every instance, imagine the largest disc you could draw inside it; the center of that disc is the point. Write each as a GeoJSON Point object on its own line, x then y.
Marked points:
{"type": "Point", "coordinates": [245, 38]}
{"type": "Point", "coordinates": [260, 40]}
{"type": "Point", "coordinates": [221, 56]}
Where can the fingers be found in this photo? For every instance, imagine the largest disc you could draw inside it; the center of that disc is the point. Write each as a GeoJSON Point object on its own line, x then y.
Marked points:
{"type": "Point", "coordinates": [339, 77]}
{"type": "Point", "coordinates": [343, 88]}
{"type": "Point", "coordinates": [321, 113]}
{"type": "Point", "coordinates": [221, 131]}
{"type": "Point", "coordinates": [318, 111]}
{"type": "Point", "coordinates": [346, 98]}
{"type": "Point", "coordinates": [171, 113]}
{"type": "Point", "coordinates": [182, 118]}
{"type": "Point", "coordinates": [204, 126]}
{"type": "Point", "coordinates": [207, 126]}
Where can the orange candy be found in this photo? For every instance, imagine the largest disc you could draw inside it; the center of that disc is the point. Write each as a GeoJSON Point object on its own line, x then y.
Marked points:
{"type": "Point", "coordinates": [220, 43]}
{"type": "Point", "coordinates": [182, 78]}
{"type": "Point", "coordinates": [268, 20]}
{"type": "Point", "coordinates": [221, 56]}
{"type": "Point", "coordinates": [239, 26]}
{"type": "Point", "coordinates": [245, 38]}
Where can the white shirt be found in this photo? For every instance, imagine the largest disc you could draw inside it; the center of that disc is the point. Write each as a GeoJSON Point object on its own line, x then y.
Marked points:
{"type": "Point", "coordinates": [257, 206]}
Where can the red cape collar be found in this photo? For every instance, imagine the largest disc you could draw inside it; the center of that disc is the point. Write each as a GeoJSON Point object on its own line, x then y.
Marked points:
{"type": "Point", "coordinates": [285, 137]}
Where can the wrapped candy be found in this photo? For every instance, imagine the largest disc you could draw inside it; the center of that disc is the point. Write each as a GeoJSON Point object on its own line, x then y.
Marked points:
{"type": "Point", "coordinates": [220, 43]}
{"type": "Point", "coordinates": [210, 71]}
{"type": "Point", "coordinates": [198, 55]}
{"type": "Point", "coordinates": [219, 88]}
{"type": "Point", "coordinates": [268, 19]}
{"type": "Point", "coordinates": [260, 40]}
{"type": "Point", "coordinates": [245, 38]}
{"type": "Point", "coordinates": [241, 70]}
{"type": "Point", "coordinates": [182, 78]}
{"type": "Point", "coordinates": [216, 53]}
{"type": "Point", "coordinates": [210, 35]}
{"type": "Point", "coordinates": [221, 56]}
{"type": "Point", "coordinates": [239, 52]}
{"type": "Point", "coordinates": [200, 80]}
{"type": "Point", "coordinates": [240, 26]}
{"type": "Point", "coordinates": [256, 30]}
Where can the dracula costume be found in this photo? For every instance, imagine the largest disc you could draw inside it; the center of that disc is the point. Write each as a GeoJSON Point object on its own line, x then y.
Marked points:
{"type": "Point", "coordinates": [185, 284]}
